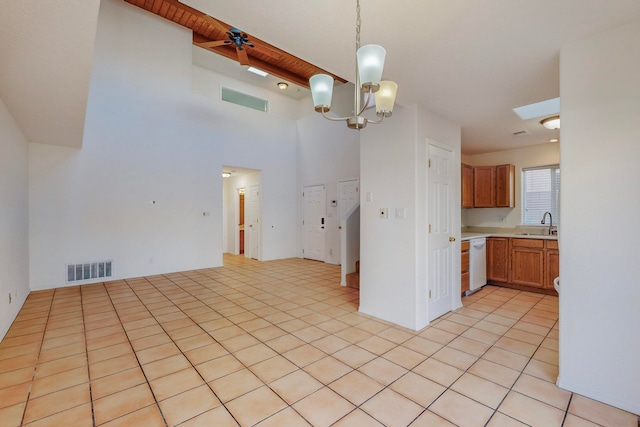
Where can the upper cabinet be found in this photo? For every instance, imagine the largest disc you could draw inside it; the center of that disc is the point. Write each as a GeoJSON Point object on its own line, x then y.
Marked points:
{"type": "Point", "coordinates": [484, 187]}
{"type": "Point", "coordinates": [488, 186]}
{"type": "Point", "coordinates": [505, 186]}
{"type": "Point", "coordinates": [467, 186]}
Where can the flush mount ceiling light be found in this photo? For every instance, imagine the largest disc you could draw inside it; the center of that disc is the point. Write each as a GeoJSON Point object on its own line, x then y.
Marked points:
{"type": "Point", "coordinates": [369, 65]}
{"type": "Point", "coordinates": [552, 122]}
{"type": "Point", "coordinates": [283, 85]}
{"type": "Point", "coordinates": [226, 174]}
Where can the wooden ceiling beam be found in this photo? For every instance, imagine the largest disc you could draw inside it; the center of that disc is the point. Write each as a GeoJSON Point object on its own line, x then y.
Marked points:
{"type": "Point", "coordinates": [206, 29]}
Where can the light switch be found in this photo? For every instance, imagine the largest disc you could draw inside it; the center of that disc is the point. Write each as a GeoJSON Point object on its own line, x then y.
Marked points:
{"type": "Point", "coordinates": [401, 213]}
{"type": "Point", "coordinates": [369, 197]}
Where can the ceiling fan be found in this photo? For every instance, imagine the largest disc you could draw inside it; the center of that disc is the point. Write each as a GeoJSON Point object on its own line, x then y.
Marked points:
{"type": "Point", "coordinates": [238, 39]}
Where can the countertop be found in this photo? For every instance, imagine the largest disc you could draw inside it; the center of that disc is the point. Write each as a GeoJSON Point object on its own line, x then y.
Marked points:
{"type": "Point", "coordinates": [468, 235]}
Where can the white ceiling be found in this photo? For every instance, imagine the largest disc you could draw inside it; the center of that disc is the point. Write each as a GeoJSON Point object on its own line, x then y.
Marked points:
{"type": "Point", "coordinates": [46, 51]}
{"type": "Point", "coordinates": [470, 61]}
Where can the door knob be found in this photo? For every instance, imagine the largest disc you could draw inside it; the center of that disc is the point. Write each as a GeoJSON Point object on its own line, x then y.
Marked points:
{"type": "Point", "coordinates": [452, 239]}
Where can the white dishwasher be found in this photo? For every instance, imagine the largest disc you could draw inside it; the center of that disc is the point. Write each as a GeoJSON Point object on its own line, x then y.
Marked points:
{"type": "Point", "coordinates": [477, 264]}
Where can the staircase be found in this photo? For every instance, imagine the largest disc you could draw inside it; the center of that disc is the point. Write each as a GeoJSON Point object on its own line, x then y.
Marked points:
{"type": "Point", "coordinates": [353, 279]}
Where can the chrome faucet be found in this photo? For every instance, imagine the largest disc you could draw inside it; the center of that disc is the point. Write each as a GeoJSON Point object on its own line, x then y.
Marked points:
{"type": "Point", "coordinates": [544, 216]}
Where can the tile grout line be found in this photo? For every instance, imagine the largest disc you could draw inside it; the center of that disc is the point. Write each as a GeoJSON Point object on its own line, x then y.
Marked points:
{"type": "Point", "coordinates": [239, 361]}
{"type": "Point", "coordinates": [35, 368]}
{"type": "Point", "coordinates": [157, 404]}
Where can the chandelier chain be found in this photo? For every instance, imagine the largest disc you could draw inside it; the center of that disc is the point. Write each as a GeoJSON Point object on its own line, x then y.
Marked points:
{"type": "Point", "coordinates": [357, 24]}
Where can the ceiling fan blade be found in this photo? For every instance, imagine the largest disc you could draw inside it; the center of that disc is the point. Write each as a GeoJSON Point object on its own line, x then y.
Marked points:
{"type": "Point", "coordinates": [214, 43]}
{"type": "Point", "coordinates": [243, 58]}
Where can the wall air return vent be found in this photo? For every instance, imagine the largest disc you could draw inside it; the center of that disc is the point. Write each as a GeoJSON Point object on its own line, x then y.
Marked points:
{"type": "Point", "coordinates": [89, 270]}
{"type": "Point", "coordinates": [243, 99]}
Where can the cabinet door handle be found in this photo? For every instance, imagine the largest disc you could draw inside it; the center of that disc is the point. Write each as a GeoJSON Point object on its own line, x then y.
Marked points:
{"type": "Point", "coordinates": [452, 239]}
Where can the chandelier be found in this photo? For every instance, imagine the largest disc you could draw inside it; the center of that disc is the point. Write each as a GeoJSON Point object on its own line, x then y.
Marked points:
{"type": "Point", "coordinates": [369, 65]}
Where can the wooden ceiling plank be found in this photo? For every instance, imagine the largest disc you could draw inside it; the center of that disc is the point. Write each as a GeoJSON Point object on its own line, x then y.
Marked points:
{"type": "Point", "coordinates": [172, 12]}
{"type": "Point", "coordinates": [209, 32]}
{"type": "Point", "coordinates": [157, 4]}
{"type": "Point", "coordinates": [178, 16]}
{"type": "Point", "coordinates": [164, 9]}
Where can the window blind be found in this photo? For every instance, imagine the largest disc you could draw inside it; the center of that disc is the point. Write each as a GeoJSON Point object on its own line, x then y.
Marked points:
{"type": "Point", "coordinates": [540, 188]}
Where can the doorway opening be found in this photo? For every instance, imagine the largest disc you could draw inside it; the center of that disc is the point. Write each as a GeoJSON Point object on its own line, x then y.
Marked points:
{"type": "Point", "coordinates": [241, 206]}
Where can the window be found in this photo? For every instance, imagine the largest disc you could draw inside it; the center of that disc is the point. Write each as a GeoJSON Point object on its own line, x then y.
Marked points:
{"type": "Point", "coordinates": [540, 188]}
{"type": "Point", "coordinates": [243, 99]}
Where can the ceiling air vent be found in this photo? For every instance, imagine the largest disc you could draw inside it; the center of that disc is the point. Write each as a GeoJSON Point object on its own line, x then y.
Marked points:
{"type": "Point", "coordinates": [520, 132]}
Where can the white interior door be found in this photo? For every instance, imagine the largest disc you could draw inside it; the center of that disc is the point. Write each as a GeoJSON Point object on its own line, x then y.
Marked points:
{"type": "Point", "coordinates": [315, 208]}
{"type": "Point", "coordinates": [441, 248]}
{"type": "Point", "coordinates": [348, 197]}
{"type": "Point", "coordinates": [252, 222]}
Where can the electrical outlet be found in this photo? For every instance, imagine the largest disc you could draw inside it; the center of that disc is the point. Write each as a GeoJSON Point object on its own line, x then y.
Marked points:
{"type": "Point", "coordinates": [330, 251]}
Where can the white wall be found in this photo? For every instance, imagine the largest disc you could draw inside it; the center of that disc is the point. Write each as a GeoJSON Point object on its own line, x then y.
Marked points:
{"type": "Point", "coordinates": [14, 224]}
{"type": "Point", "coordinates": [600, 149]}
{"type": "Point", "coordinates": [327, 152]}
{"type": "Point", "coordinates": [525, 157]}
{"type": "Point", "coordinates": [393, 252]}
{"type": "Point", "coordinates": [148, 137]}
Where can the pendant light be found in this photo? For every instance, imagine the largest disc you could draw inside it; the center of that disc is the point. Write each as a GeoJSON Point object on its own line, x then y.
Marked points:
{"type": "Point", "coordinates": [369, 66]}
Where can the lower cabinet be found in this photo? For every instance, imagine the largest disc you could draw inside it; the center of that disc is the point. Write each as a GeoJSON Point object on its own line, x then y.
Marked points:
{"type": "Point", "coordinates": [464, 266]}
{"type": "Point", "coordinates": [498, 259]}
{"type": "Point", "coordinates": [528, 264]}
{"type": "Point", "coordinates": [552, 263]}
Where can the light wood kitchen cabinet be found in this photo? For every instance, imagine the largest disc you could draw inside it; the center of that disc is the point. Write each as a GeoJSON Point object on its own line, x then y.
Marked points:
{"type": "Point", "coordinates": [523, 263]}
{"type": "Point", "coordinates": [492, 186]}
{"type": "Point", "coordinates": [484, 186]}
{"type": "Point", "coordinates": [551, 263]}
{"type": "Point", "coordinates": [498, 259]}
{"type": "Point", "coordinates": [505, 186]}
{"type": "Point", "coordinates": [464, 266]}
{"type": "Point", "coordinates": [467, 186]}
{"type": "Point", "coordinates": [527, 262]}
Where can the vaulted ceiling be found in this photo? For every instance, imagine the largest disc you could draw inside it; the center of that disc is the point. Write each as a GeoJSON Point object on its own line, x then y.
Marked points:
{"type": "Point", "coordinates": [471, 61]}
{"type": "Point", "coordinates": [211, 34]}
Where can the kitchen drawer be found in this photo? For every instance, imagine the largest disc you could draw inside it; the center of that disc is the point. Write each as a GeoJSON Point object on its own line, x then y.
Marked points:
{"type": "Point", "coordinates": [464, 282]}
{"type": "Point", "coordinates": [528, 243]}
{"type": "Point", "coordinates": [464, 263]}
{"type": "Point", "coordinates": [464, 246]}
{"type": "Point", "coordinates": [552, 244]}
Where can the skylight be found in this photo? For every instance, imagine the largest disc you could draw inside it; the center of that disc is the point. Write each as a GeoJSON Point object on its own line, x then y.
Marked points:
{"type": "Point", "coordinates": [539, 109]}
{"type": "Point", "coordinates": [258, 72]}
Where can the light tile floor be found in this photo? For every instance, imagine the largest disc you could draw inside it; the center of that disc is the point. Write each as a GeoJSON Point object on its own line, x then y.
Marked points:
{"type": "Point", "coordinates": [280, 343]}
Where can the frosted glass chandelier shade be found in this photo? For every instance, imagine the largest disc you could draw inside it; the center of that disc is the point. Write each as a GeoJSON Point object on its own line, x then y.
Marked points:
{"type": "Point", "coordinates": [321, 91]}
{"type": "Point", "coordinates": [370, 64]}
{"type": "Point", "coordinates": [386, 98]}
